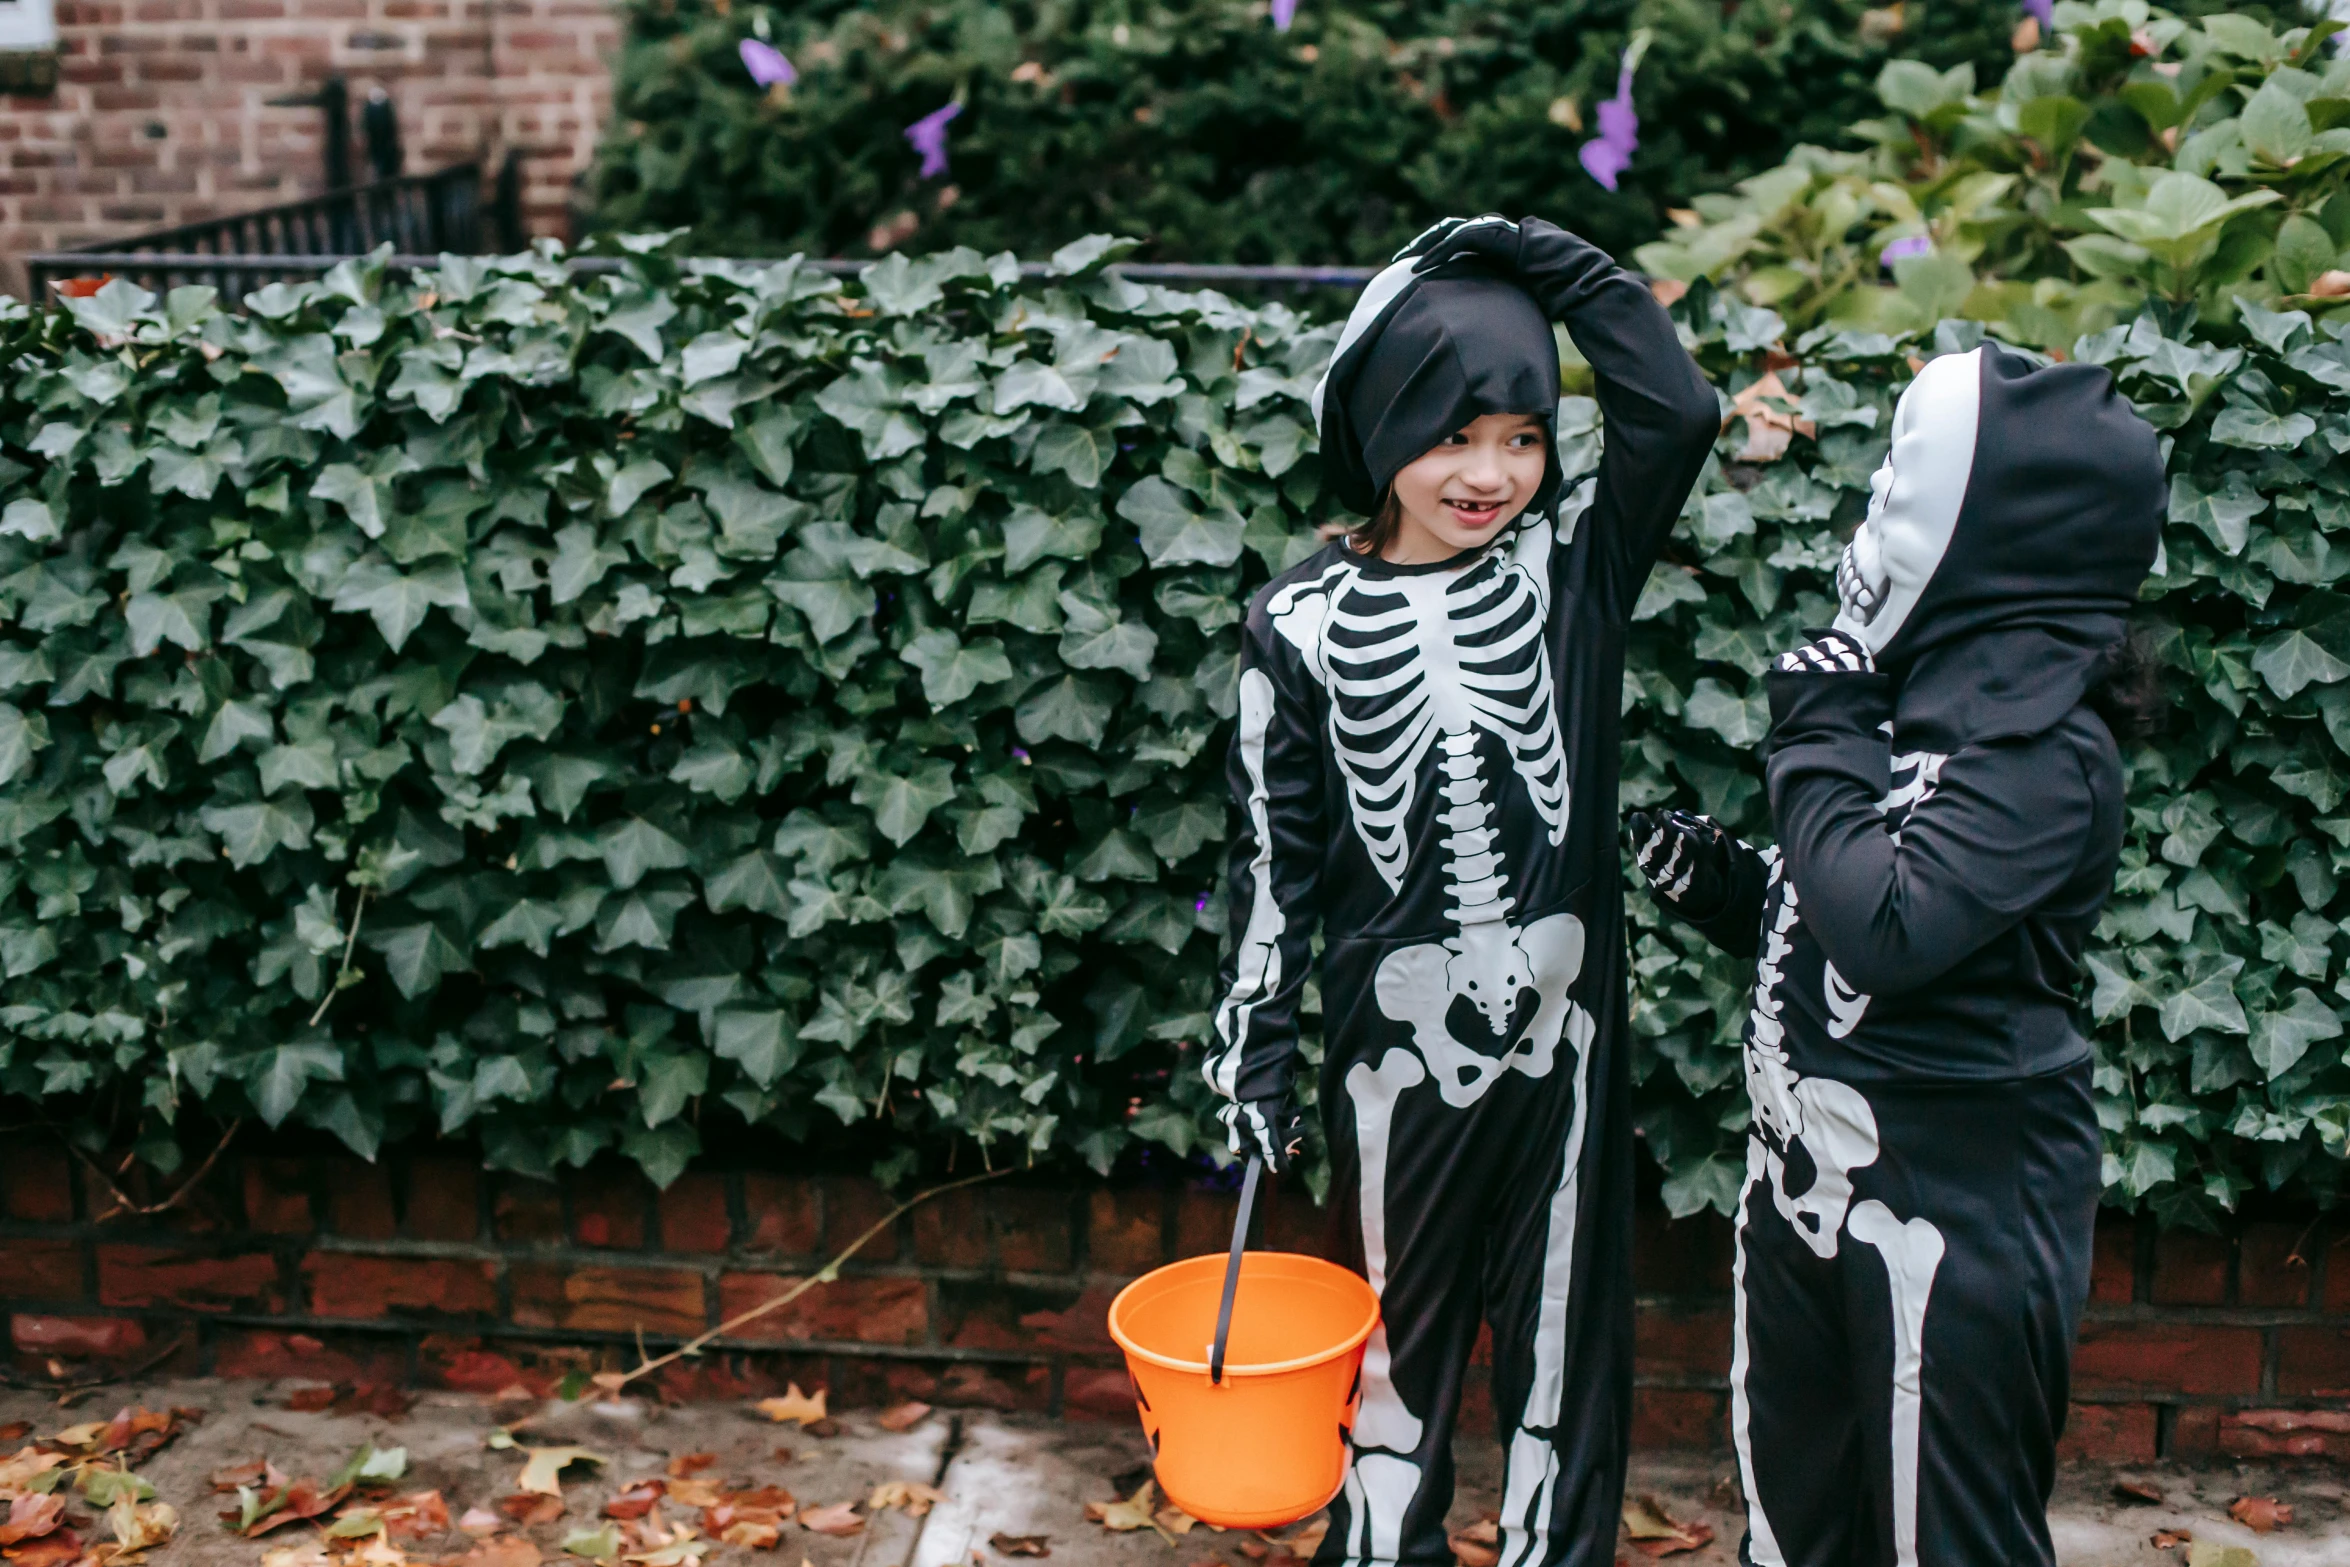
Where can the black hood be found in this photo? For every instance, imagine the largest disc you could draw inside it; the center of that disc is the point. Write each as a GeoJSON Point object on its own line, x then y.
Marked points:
{"type": "Point", "coordinates": [1421, 357]}
{"type": "Point", "coordinates": [2019, 510]}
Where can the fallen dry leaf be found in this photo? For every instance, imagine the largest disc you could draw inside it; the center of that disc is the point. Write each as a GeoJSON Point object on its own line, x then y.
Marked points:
{"type": "Point", "coordinates": [54, 1549]}
{"type": "Point", "coordinates": [1308, 1538]}
{"type": "Point", "coordinates": [310, 1400]}
{"type": "Point", "coordinates": [636, 1501]}
{"type": "Point", "coordinates": [1255, 1550]}
{"type": "Point", "coordinates": [1172, 1521]}
{"type": "Point", "coordinates": [260, 1474]}
{"type": "Point", "coordinates": [418, 1515]}
{"type": "Point", "coordinates": [690, 1464]}
{"type": "Point", "coordinates": [30, 1516]}
{"type": "Point", "coordinates": [507, 1551]}
{"type": "Point", "coordinates": [542, 1473]}
{"type": "Point", "coordinates": [2260, 1514]}
{"type": "Point", "coordinates": [480, 1521]}
{"type": "Point", "coordinates": [2136, 1491]}
{"type": "Point", "coordinates": [2165, 1539]}
{"type": "Point", "coordinates": [1479, 1545]}
{"type": "Point", "coordinates": [310, 1553]}
{"type": "Point", "coordinates": [674, 1555]}
{"type": "Point", "coordinates": [1655, 1531]}
{"type": "Point", "coordinates": [693, 1491]}
{"type": "Point", "coordinates": [1022, 1544]}
{"type": "Point", "coordinates": [18, 1470]}
{"type": "Point", "coordinates": [915, 1497]}
{"type": "Point", "coordinates": [760, 1534]}
{"type": "Point", "coordinates": [138, 1526]}
{"type": "Point", "coordinates": [528, 1507]}
{"type": "Point", "coordinates": [784, 1455]}
{"type": "Point", "coordinates": [905, 1416]}
{"type": "Point", "coordinates": [839, 1518]}
{"type": "Point", "coordinates": [792, 1404]}
{"type": "Point", "coordinates": [1133, 1512]}
{"type": "Point", "coordinates": [291, 1504]}
{"type": "Point", "coordinates": [2210, 1553]}
{"type": "Point", "coordinates": [16, 1430]}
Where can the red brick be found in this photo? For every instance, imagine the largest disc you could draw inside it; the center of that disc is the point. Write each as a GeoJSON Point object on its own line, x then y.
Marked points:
{"type": "Point", "coordinates": [978, 1387]}
{"type": "Point", "coordinates": [42, 1269]}
{"type": "Point", "coordinates": [608, 1207]}
{"type": "Point", "coordinates": [2113, 1272]}
{"type": "Point", "coordinates": [2337, 1249]}
{"type": "Point", "coordinates": [1294, 1223]}
{"type": "Point", "coordinates": [277, 1196]}
{"type": "Point", "coordinates": [852, 1206]}
{"type": "Point", "coordinates": [783, 1216]}
{"type": "Point", "coordinates": [444, 1201]}
{"type": "Point", "coordinates": [466, 1366]}
{"type": "Point", "coordinates": [1681, 1344]}
{"type": "Point", "coordinates": [359, 1201]}
{"type": "Point", "coordinates": [2190, 1269]}
{"type": "Point", "coordinates": [2163, 1359]}
{"type": "Point", "coordinates": [36, 1178]}
{"type": "Point", "coordinates": [2109, 1433]}
{"type": "Point", "coordinates": [1123, 1232]}
{"type": "Point", "coordinates": [608, 1300]}
{"type": "Point", "coordinates": [856, 1309]}
{"type": "Point", "coordinates": [1097, 1393]}
{"type": "Point", "coordinates": [2272, 1265]}
{"type": "Point", "coordinates": [261, 1352]}
{"type": "Point", "coordinates": [950, 1231]}
{"type": "Point", "coordinates": [1680, 1419]}
{"type": "Point", "coordinates": [342, 1285]}
{"type": "Point", "coordinates": [1203, 1222]}
{"type": "Point", "coordinates": [2314, 1361]}
{"type": "Point", "coordinates": [1032, 1230]}
{"type": "Point", "coordinates": [1082, 1328]}
{"type": "Point", "coordinates": [528, 1210]}
{"type": "Point", "coordinates": [2195, 1433]}
{"type": "Point", "coordinates": [153, 1276]}
{"type": "Point", "coordinates": [693, 1214]}
{"type": "Point", "coordinates": [102, 1338]}
{"type": "Point", "coordinates": [2285, 1433]}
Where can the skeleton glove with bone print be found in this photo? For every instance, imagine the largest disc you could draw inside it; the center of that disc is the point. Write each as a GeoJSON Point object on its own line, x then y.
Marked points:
{"type": "Point", "coordinates": [1271, 1129]}
{"type": "Point", "coordinates": [1701, 874]}
{"type": "Point", "coordinates": [1828, 653]}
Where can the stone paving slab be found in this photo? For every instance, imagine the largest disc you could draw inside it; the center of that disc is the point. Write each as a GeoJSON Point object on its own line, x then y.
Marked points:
{"type": "Point", "coordinates": [1008, 1474]}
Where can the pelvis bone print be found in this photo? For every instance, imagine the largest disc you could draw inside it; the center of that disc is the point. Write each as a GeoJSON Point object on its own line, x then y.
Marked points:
{"type": "Point", "coordinates": [1832, 1126]}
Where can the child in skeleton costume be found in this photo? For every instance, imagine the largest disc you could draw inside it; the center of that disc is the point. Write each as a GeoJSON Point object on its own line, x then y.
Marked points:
{"type": "Point", "coordinates": [1426, 767]}
{"type": "Point", "coordinates": [1923, 1172]}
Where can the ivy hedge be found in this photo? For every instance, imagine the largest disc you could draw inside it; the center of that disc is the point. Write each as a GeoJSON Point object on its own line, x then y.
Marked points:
{"type": "Point", "coordinates": [588, 710]}
{"type": "Point", "coordinates": [1197, 125]}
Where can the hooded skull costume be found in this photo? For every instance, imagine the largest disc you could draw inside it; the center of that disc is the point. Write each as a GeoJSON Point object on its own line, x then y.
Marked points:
{"type": "Point", "coordinates": [1924, 1166]}
{"type": "Point", "coordinates": [1426, 768]}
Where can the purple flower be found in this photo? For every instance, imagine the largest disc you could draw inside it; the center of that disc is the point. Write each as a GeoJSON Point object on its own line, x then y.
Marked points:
{"type": "Point", "coordinates": [1199, 905]}
{"type": "Point", "coordinates": [1609, 154]}
{"type": "Point", "coordinates": [2045, 10]}
{"type": "Point", "coordinates": [1284, 12]}
{"type": "Point", "coordinates": [929, 136]}
{"type": "Point", "coordinates": [1903, 249]}
{"type": "Point", "coordinates": [767, 65]}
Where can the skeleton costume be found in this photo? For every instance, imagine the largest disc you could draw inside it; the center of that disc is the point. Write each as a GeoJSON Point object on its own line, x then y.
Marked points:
{"type": "Point", "coordinates": [1923, 1171]}
{"type": "Point", "coordinates": [1426, 768]}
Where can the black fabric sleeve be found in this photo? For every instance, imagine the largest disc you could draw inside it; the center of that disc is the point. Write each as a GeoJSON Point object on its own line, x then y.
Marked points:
{"type": "Point", "coordinates": [1659, 414]}
{"type": "Point", "coordinates": [2003, 828]}
{"type": "Point", "coordinates": [1735, 925]}
{"type": "Point", "coordinates": [1275, 768]}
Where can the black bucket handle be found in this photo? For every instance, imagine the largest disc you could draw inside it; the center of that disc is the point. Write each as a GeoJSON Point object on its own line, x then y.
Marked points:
{"type": "Point", "coordinates": [1248, 1203]}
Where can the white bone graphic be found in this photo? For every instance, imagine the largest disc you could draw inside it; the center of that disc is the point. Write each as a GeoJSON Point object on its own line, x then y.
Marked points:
{"type": "Point", "coordinates": [1833, 1123]}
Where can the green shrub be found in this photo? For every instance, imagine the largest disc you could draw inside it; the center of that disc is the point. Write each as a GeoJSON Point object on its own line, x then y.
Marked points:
{"type": "Point", "coordinates": [2138, 156]}
{"type": "Point", "coordinates": [579, 712]}
{"type": "Point", "coordinates": [1193, 123]}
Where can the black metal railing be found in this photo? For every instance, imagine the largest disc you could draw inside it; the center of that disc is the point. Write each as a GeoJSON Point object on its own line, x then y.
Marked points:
{"type": "Point", "coordinates": [419, 215]}
{"type": "Point", "coordinates": [237, 275]}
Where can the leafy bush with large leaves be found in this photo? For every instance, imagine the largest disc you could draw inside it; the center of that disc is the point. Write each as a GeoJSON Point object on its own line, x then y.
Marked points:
{"type": "Point", "coordinates": [589, 711]}
{"type": "Point", "coordinates": [2137, 156]}
{"type": "Point", "coordinates": [1195, 124]}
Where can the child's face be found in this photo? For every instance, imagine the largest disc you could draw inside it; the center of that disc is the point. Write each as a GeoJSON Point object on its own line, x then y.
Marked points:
{"type": "Point", "coordinates": [1464, 490]}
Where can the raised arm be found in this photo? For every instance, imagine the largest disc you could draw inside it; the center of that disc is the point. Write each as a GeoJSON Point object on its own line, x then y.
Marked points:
{"type": "Point", "coordinates": [1276, 774]}
{"type": "Point", "coordinates": [1660, 415]}
{"type": "Point", "coordinates": [2003, 828]}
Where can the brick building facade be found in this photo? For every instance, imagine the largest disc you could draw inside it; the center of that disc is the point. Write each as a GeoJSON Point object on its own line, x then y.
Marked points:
{"type": "Point", "coordinates": [162, 111]}
{"type": "Point", "coordinates": [427, 1269]}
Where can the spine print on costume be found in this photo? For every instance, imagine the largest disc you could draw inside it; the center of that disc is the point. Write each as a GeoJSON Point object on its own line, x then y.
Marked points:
{"type": "Point", "coordinates": [1414, 665]}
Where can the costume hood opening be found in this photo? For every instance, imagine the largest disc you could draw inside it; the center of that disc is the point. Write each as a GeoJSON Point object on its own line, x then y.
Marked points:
{"type": "Point", "coordinates": [1423, 355]}
{"type": "Point", "coordinates": [2008, 531]}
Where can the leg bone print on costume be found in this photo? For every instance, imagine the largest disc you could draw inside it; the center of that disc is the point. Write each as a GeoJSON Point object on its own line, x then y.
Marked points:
{"type": "Point", "coordinates": [1833, 1125]}
{"type": "Point", "coordinates": [1379, 1484]}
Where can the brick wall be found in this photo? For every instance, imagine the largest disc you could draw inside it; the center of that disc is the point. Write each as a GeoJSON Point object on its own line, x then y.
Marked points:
{"type": "Point", "coordinates": [429, 1270]}
{"type": "Point", "coordinates": [161, 112]}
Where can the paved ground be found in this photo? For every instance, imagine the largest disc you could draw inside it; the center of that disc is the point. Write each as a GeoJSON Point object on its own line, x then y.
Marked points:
{"type": "Point", "coordinates": [1001, 1475]}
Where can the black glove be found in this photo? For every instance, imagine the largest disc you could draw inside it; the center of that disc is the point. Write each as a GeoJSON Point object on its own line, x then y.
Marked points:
{"type": "Point", "coordinates": [1686, 859]}
{"type": "Point", "coordinates": [1556, 267]}
{"type": "Point", "coordinates": [1827, 653]}
{"type": "Point", "coordinates": [1268, 1128]}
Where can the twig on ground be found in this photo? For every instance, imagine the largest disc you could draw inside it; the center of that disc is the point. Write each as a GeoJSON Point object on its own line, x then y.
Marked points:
{"type": "Point", "coordinates": [614, 1381]}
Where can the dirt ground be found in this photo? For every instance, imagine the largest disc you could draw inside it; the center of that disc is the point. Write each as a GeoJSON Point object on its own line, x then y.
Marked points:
{"type": "Point", "coordinates": [1001, 1476]}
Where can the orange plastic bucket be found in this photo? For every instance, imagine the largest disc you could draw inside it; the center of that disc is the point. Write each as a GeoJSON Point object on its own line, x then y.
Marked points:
{"type": "Point", "coordinates": [1268, 1445]}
